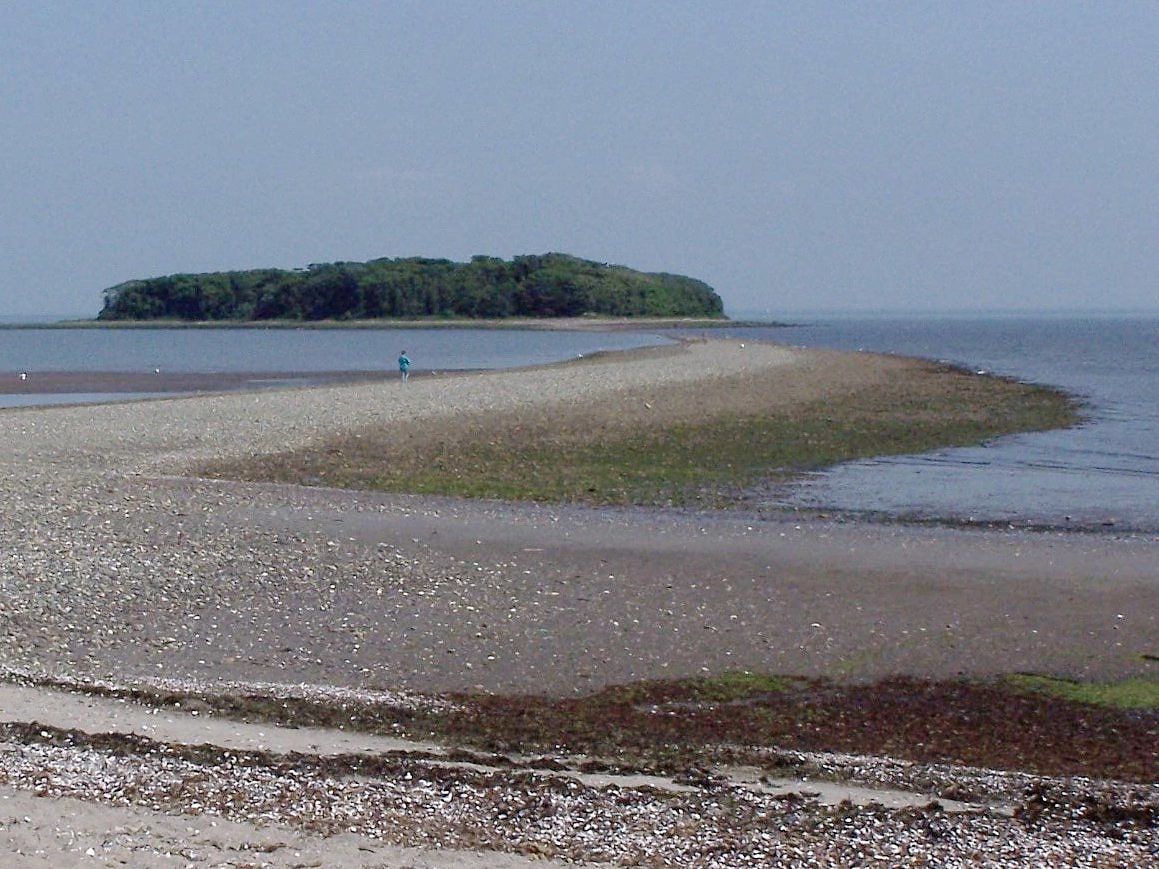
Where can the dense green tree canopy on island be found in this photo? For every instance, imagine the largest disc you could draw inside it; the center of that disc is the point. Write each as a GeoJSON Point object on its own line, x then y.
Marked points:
{"type": "Point", "coordinates": [547, 285]}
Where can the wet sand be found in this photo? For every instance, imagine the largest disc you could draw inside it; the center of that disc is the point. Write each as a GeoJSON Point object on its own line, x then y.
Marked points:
{"type": "Point", "coordinates": [176, 382]}
{"type": "Point", "coordinates": [571, 600]}
{"type": "Point", "coordinates": [527, 598]}
{"type": "Point", "coordinates": [118, 565]}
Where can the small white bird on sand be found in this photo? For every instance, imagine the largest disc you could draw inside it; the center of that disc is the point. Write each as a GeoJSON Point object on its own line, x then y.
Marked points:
{"type": "Point", "coordinates": [23, 375]}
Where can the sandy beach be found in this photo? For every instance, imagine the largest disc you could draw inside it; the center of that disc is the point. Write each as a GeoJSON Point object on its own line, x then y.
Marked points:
{"type": "Point", "coordinates": [120, 566]}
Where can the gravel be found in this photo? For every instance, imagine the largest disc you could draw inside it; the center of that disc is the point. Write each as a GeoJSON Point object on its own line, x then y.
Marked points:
{"type": "Point", "coordinates": [114, 567]}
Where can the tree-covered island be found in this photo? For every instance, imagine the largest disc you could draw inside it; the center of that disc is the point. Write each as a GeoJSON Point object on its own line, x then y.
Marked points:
{"type": "Point", "coordinates": [547, 285]}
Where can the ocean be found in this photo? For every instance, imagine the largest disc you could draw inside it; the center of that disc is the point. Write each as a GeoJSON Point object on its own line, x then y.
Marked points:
{"type": "Point", "coordinates": [279, 350]}
{"type": "Point", "coordinates": [28, 345]}
{"type": "Point", "coordinates": [1102, 474]}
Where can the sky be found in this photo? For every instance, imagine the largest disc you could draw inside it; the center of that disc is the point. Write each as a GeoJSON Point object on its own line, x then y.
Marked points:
{"type": "Point", "coordinates": [810, 156]}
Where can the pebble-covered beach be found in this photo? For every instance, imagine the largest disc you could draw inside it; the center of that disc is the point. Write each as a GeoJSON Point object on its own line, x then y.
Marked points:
{"type": "Point", "coordinates": [116, 566]}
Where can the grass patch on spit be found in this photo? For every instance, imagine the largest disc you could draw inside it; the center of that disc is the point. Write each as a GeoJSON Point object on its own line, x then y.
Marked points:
{"type": "Point", "coordinates": [1125, 694]}
{"type": "Point", "coordinates": [710, 444]}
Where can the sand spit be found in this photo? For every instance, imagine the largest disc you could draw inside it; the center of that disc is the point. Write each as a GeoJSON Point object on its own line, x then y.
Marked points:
{"type": "Point", "coordinates": [115, 567]}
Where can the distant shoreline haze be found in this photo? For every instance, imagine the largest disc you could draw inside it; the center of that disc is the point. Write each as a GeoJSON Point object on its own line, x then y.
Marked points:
{"type": "Point", "coordinates": [547, 285]}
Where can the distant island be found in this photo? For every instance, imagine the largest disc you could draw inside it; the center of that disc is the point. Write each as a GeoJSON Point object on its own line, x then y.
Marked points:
{"type": "Point", "coordinates": [546, 285]}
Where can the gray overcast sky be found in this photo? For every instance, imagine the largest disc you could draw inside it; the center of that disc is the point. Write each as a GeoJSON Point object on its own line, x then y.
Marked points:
{"type": "Point", "coordinates": [822, 156]}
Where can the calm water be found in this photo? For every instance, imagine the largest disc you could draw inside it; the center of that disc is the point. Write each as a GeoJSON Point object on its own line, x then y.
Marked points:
{"type": "Point", "coordinates": [1105, 471]}
{"type": "Point", "coordinates": [280, 350]}
{"type": "Point", "coordinates": [288, 350]}
{"type": "Point", "coordinates": [283, 350]}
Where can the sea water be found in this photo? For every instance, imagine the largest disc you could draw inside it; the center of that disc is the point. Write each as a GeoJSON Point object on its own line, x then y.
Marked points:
{"type": "Point", "coordinates": [1103, 473]}
{"type": "Point", "coordinates": [286, 350]}
{"type": "Point", "coordinates": [296, 350]}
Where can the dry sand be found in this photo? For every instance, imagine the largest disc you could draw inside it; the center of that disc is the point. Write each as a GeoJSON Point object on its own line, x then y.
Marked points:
{"type": "Point", "coordinates": [115, 566]}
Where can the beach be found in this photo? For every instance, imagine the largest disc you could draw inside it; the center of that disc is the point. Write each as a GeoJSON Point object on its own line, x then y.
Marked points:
{"type": "Point", "coordinates": [122, 567]}
{"type": "Point", "coordinates": [161, 383]}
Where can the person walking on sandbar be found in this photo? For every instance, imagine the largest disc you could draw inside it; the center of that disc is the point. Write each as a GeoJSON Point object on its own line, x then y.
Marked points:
{"type": "Point", "coordinates": [404, 365]}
